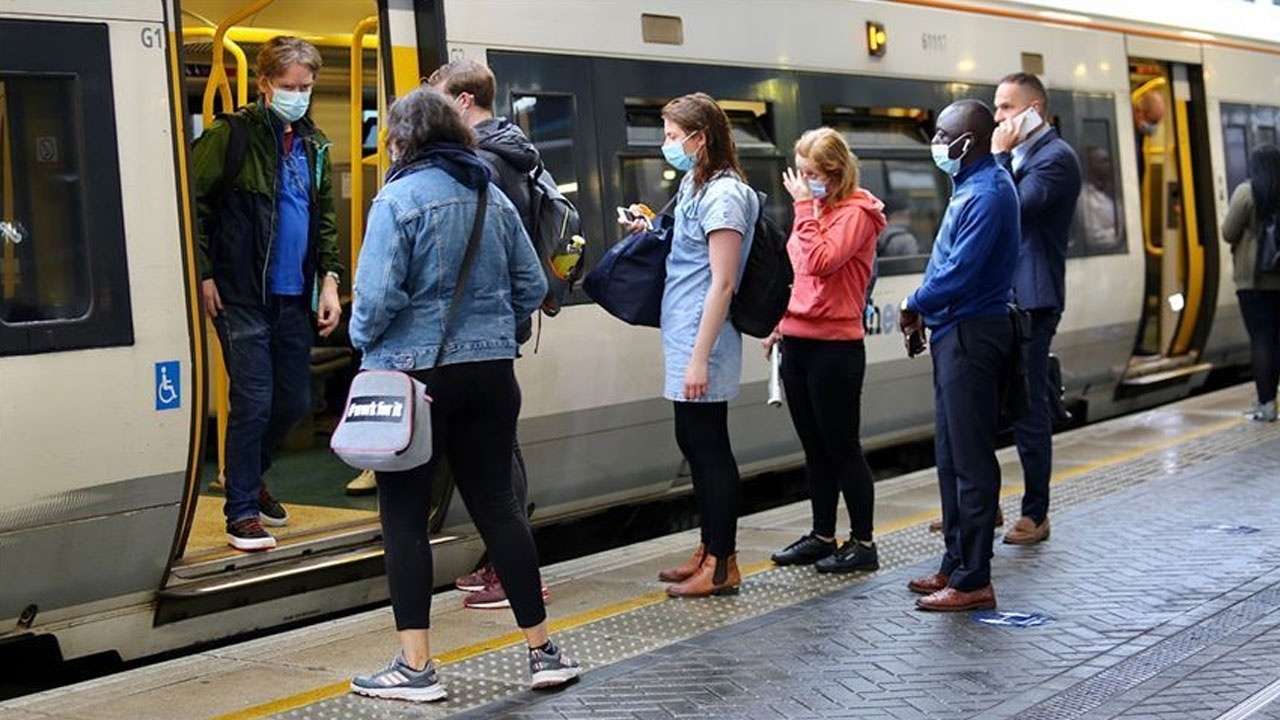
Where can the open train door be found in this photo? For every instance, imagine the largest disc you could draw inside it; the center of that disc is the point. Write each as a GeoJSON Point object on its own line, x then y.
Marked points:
{"type": "Point", "coordinates": [1171, 139]}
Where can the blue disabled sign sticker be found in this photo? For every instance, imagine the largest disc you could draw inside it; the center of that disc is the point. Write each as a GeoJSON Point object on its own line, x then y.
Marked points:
{"type": "Point", "coordinates": [168, 385]}
{"type": "Point", "coordinates": [1012, 619]}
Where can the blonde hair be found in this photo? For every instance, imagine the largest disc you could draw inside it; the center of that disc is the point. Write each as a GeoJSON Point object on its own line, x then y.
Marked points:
{"type": "Point", "coordinates": [831, 156]}
{"type": "Point", "coordinates": [282, 51]}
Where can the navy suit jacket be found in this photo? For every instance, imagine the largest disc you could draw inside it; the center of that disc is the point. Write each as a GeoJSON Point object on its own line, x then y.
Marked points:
{"type": "Point", "coordinates": [1048, 182]}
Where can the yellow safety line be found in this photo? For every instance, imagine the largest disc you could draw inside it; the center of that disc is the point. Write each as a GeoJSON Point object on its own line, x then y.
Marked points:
{"type": "Point", "coordinates": [333, 690]}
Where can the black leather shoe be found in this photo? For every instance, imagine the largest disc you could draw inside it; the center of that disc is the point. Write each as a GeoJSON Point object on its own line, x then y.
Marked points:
{"type": "Point", "coordinates": [852, 557]}
{"type": "Point", "coordinates": [805, 551]}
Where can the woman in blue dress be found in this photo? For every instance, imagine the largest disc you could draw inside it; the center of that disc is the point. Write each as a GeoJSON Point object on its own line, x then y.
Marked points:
{"type": "Point", "coordinates": [715, 213]}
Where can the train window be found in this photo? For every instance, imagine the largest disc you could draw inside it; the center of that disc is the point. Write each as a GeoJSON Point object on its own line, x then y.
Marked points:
{"type": "Point", "coordinates": [63, 278]}
{"type": "Point", "coordinates": [1099, 222]}
{"type": "Point", "coordinates": [914, 203]}
{"type": "Point", "coordinates": [1266, 136]}
{"type": "Point", "coordinates": [649, 180]}
{"type": "Point", "coordinates": [1235, 143]}
{"type": "Point", "coordinates": [547, 120]}
{"type": "Point", "coordinates": [879, 127]}
{"type": "Point", "coordinates": [750, 122]}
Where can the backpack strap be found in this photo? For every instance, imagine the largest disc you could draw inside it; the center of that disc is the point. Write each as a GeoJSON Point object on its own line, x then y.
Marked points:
{"type": "Point", "coordinates": [237, 149]}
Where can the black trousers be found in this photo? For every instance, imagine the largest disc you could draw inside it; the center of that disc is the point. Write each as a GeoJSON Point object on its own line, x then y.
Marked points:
{"type": "Point", "coordinates": [473, 427]}
{"type": "Point", "coordinates": [969, 364]}
{"type": "Point", "coordinates": [823, 383]}
{"type": "Point", "coordinates": [702, 432]}
{"type": "Point", "coordinates": [1261, 312]}
{"type": "Point", "coordinates": [1033, 433]}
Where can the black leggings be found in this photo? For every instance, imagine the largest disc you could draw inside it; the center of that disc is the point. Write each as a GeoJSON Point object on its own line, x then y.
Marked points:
{"type": "Point", "coordinates": [823, 383]}
{"type": "Point", "coordinates": [702, 432]}
{"type": "Point", "coordinates": [1261, 311]}
{"type": "Point", "coordinates": [473, 426]}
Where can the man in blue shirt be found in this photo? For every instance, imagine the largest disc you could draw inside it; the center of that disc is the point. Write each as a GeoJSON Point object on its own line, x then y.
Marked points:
{"type": "Point", "coordinates": [1047, 174]}
{"type": "Point", "coordinates": [963, 301]}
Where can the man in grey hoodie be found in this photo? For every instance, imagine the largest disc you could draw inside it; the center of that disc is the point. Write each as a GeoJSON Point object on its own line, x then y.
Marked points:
{"type": "Point", "coordinates": [472, 87]}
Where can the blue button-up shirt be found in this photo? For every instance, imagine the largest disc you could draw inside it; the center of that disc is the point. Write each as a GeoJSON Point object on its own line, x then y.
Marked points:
{"type": "Point", "coordinates": [293, 223]}
{"type": "Point", "coordinates": [970, 273]}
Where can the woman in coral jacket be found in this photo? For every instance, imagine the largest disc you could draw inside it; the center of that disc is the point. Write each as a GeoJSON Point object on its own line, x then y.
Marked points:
{"type": "Point", "coordinates": [832, 248]}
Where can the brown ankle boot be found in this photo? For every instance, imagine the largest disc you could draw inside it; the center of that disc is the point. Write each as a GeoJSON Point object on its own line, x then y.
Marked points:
{"type": "Point", "coordinates": [715, 577]}
{"type": "Point", "coordinates": [685, 571]}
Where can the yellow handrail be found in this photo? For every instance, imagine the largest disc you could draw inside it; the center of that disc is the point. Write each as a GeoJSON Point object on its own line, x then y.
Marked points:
{"type": "Point", "coordinates": [218, 73]}
{"type": "Point", "coordinates": [357, 136]}
{"type": "Point", "coordinates": [242, 64]}
{"type": "Point", "coordinates": [1145, 151]}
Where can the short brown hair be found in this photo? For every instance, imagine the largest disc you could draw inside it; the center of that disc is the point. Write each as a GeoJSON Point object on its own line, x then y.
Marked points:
{"type": "Point", "coordinates": [1031, 84]}
{"type": "Point", "coordinates": [282, 51]}
{"type": "Point", "coordinates": [830, 154]}
{"type": "Point", "coordinates": [698, 112]}
{"type": "Point", "coordinates": [466, 76]}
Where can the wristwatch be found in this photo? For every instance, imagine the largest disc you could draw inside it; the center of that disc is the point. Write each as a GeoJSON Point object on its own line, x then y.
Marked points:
{"type": "Point", "coordinates": [337, 279]}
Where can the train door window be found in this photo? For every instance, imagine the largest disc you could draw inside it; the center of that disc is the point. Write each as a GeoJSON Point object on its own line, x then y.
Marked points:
{"type": "Point", "coordinates": [63, 278]}
{"type": "Point", "coordinates": [1235, 143]}
{"type": "Point", "coordinates": [547, 120]}
{"type": "Point", "coordinates": [1099, 217]}
{"type": "Point", "coordinates": [892, 146]}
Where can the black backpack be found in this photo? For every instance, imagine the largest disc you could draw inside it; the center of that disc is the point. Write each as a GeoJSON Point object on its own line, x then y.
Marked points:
{"type": "Point", "coordinates": [1269, 247]}
{"type": "Point", "coordinates": [765, 289]}
{"type": "Point", "coordinates": [553, 220]}
{"type": "Point", "coordinates": [237, 147]}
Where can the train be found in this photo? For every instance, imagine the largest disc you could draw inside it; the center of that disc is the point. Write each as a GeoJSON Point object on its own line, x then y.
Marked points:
{"type": "Point", "coordinates": [110, 529]}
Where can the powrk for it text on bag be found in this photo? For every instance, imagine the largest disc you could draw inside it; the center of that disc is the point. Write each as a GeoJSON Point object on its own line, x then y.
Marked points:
{"type": "Point", "coordinates": [386, 424]}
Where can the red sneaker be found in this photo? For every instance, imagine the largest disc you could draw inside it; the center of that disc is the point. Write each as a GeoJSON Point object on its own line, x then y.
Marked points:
{"type": "Point", "coordinates": [477, 580]}
{"type": "Point", "coordinates": [493, 597]}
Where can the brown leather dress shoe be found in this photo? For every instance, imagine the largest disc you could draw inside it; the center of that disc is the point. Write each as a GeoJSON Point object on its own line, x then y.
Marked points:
{"type": "Point", "coordinates": [1026, 532]}
{"type": "Point", "coordinates": [705, 581]}
{"type": "Point", "coordinates": [685, 571]}
{"type": "Point", "coordinates": [929, 584]}
{"type": "Point", "coordinates": [949, 599]}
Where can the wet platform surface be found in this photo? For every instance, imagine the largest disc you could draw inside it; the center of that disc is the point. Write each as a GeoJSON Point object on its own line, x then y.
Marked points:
{"type": "Point", "coordinates": [1158, 596]}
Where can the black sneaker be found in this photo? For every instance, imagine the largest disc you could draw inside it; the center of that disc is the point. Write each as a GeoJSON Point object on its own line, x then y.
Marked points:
{"type": "Point", "coordinates": [805, 551]}
{"type": "Point", "coordinates": [852, 556]}
{"type": "Point", "coordinates": [270, 512]}
{"type": "Point", "coordinates": [247, 534]}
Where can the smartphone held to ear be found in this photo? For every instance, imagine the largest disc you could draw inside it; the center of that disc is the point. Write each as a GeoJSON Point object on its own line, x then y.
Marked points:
{"type": "Point", "coordinates": [1030, 121]}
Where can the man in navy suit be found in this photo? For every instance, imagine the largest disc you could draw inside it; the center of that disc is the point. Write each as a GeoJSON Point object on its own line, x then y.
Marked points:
{"type": "Point", "coordinates": [1047, 174]}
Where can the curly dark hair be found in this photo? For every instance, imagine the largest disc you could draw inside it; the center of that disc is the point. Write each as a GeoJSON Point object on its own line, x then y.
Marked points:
{"type": "Point", "coordinates": [422, 117]}
{"type": "Point", "coordinates": [1264, 180]}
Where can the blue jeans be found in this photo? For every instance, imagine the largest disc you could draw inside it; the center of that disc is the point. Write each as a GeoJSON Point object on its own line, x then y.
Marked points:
{"type": "Point", "coordinates": [267, 351]}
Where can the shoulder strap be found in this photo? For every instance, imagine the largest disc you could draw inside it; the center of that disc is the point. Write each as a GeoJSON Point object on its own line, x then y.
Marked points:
{"type": "Point", "coordinates": [477, 227]}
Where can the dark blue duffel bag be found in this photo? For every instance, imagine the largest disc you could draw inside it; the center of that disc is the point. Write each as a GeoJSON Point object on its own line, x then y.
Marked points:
{"type": "Point", "coordinates": [628, 280]}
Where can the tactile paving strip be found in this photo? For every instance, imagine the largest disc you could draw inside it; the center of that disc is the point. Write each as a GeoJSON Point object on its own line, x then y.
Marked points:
{"type": "Point", "coordinates": [501, 673]}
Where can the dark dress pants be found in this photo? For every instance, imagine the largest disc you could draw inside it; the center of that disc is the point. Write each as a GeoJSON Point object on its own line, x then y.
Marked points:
{"type": "Point", "coordinates": [1033, 434]}
{"type": "Point", "coordinates": [969, 364]}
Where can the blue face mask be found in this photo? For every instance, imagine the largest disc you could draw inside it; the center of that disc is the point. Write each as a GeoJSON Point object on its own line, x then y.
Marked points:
{"type": "Point", "coordinates": [675, 154]}
{"type": "Point", "coordinates": [942, 155]}
{"type": "Point", "coordinates": [290, 105]}
{"type": "Point", "coordinates": [818, 188]}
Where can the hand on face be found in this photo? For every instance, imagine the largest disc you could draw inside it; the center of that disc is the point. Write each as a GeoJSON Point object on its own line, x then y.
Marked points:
{"type": "Point", "coordinates": [796, 184]}
{"type": "Point", "coordinates": [1006, 135]}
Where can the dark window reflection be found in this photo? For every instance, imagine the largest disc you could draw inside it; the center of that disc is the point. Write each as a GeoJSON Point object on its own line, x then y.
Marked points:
{"type": "Point", "coordinates": [1099, 219]}
{"type": "Point", "coordinates": [548, 121]}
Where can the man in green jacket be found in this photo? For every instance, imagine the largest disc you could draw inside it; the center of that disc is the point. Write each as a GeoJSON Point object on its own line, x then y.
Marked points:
{"type": "Point", "coordinates": [267, 234]}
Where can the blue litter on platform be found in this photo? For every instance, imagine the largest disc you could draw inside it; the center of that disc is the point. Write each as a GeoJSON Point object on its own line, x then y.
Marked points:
{"type": "Point", "coordinates": [1229, 529]}
{"type": "Point", "coordinates": [1011, 619]}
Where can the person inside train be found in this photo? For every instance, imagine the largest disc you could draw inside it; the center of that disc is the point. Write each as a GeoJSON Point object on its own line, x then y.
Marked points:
{"type": "Point", "coordinates": [1255, 203]}
{"type": "Point", "coordinates": [471, 85]}
{"type": "Point", "coordinates": [963, 301]}
{"type": "Point", "coordinates": [1047, 174]}
{"type": "Point", "coordinates": [715, 215]}
{"type": "Point", "coordinates": [897, 240]}
{"type": "Point", "coordinates": [832, 248]}
{"type": "Point", "coordinates": [1096, 210]}
{"type": "Point", "coordinates": [265, 236]}
{"type": "Point", "coordinates": [414, 265]}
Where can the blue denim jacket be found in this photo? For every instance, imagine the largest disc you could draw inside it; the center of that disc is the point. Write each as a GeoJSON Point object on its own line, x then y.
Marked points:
{"type": "Point", "coordinates": [413, 246]}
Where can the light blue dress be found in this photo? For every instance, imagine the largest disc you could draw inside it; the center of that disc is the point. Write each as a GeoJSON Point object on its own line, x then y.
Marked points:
{"type": "Point", "coordinates": [724, 203]}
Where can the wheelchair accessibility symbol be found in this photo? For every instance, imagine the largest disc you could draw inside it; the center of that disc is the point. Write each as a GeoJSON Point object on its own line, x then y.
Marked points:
{"type": "Point", "coordinates": [168, 385]}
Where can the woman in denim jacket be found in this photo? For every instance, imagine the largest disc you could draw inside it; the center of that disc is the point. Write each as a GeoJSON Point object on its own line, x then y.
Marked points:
{"type": "Point", "coordinates": [409, 265]}
{"type": "Point", "coordinates": [715, 214]}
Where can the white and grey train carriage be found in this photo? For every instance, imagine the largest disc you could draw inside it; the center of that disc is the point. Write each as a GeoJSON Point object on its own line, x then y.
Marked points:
{"type": "Point", "coordinates": [109, 539]}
